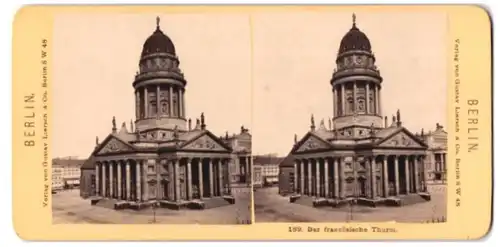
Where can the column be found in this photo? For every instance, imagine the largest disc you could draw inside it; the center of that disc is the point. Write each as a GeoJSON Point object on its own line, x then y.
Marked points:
{"type": "Point", "coordinates": [342, 91]}
{"type": "Point", "coordinates": [137, 105]}
{"type": "Point", "coordinates": [416, 164]}
{"type": "Point", "coordinates": [159, 190]}
{"type": "Point", "coordinates": [342, 178]}
{"type": "Point", "coordinates": [211, 177]}
{"type": "Point", "coordinates": [327, 178]}
{"type": "Point", "coordinates": [181, 103]}
{"type": "Point", "coordinates": [442, 164]}
{"type": "Point", "coordinates": [171, 99]}
{"type": "Point", "coordinates": [302, 172]}
{"type": "Point", "coordinates": [189, 179]}
{"type": "Point", "coordinates": [103, 166]}
{"type": "Point", "coordinates": [111, 189]}
{"type": "Point", "coordinates": [138, 191]}
{"type": "Point", "coordinates": [373, 177]}
{"type": "Point", "coordinates": [145, 195]}
{"type": "Point", "coordinates": [295, 176]}
{"type": "Point", "coordinates": [336, 188]}
{"type": "Point", "coordinates": [119, 175]}
{"type": "Point", "coordinates": [200, 177]}
{"type": "Point", "coordinates": [219, 171]}
{"type": "Point", "coordinates": [127, 179]}
{"type": "Point", "coordinates": [177, 182]}
{"type": "Point", "coordinates": [386, 177]}
{"type": "Point", "coordinates": [318, 179]}
{"type": "Point", "coordinates": [355, 96]}
{"type": "Point", "coordinates": [407, 175]}
{"type": "Point", "coordinates": [97, 180]}
{"type": "Point", "coordinates": [367, 98]}
{"type": "Point", "coordinates": [309, 177]}
{"type": "Point", "coordinates": [248, 170]}
{"type": "Point", "coordinates": [334, 102]}
{"type": "Point", "coordinates": [158, 107]}
{"type": "Point", "coordinates": [396, 175]}
{"type": "Point", "coordinates": [368, 175]}
{"type": "Point", "coordinates": [228, 176]}
{"type": "Point", "coordinates": [377, 100]}
{"type": "Point", "coordinates": [145, 102]}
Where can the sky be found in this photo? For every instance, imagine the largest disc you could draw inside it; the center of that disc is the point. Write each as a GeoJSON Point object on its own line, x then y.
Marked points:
{"type": "Point", "coordinates": [294, 57]}
{"type": "Point", "coordinates": [96, 57]}
{"type": "Point", "coordinates": [268, 71]}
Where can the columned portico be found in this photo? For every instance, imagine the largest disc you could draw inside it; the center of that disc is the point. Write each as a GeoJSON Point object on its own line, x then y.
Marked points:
{"type": "Point", "coordinates": [360, 157]}
{"type": "Point", "coordinates": [210, 177]}
{"type": "Point", "coordinates": [330, 177]}
{"type": "Point", "coordinates": [164, 159]}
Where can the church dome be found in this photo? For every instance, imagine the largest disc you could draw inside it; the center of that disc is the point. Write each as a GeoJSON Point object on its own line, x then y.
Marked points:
{"type": "Point", "coordinates": [158, 42]}
{"type": "Point", "coordinates": [355, 40]}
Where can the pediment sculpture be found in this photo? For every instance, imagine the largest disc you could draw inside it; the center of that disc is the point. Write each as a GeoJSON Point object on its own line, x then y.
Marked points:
{"type": "Point", "coordinates": [311, 144]}
{"type": "Point", "coordinates": [400, 140]}
{"type": "Point", "coordinates": [114, 146]}
{"type": "Point", "coordinates": [204, 143]}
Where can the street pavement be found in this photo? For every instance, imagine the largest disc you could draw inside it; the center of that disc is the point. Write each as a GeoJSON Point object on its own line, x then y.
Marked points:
{"type": "Point", "coordinates": [272, 207]}
{"type": "Point", "coordinates": [69, 208]}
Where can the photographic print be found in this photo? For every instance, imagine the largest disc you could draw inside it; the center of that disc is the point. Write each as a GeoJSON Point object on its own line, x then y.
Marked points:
{"type": "Point", "coordinates": [251, 123]}
{"type": "Point", "coordinates": [149, 122]}
{"type": "Point", "coordinates": [361, 133]}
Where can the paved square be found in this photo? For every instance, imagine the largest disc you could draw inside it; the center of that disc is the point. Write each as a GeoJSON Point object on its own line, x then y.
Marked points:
{"type": "Point", "coordinates": [271, 207]}
{"type": "Point", "coordinates": [69, 208]}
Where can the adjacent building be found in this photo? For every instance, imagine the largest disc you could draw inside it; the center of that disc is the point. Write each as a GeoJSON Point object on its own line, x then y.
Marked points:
{"type": "Point", "coordinates": [358, 156]}
{"type": "Point", "coordinates": [241, 156]}
{"type": "Point", "coordinates": [435, 162]}
{"type": "Point", "coordinates": [269, 168]}
{"type": "Point", "coordinates": [66, 172]}
{"type": "Point", "coordinates": [162, 157]}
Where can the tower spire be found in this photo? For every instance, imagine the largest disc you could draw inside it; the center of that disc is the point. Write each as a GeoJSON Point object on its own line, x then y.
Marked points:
{"type": "Point", "coordinates": [158, 22]}
{"type": "Point", "coordinates": [353, 20]}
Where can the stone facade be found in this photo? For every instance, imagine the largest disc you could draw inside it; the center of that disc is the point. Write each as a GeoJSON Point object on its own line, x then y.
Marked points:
{"type": "Point", "coordinates": [435, 162]}
{"type": "Point", "coordinates": [358, 157]}
{"type": "Point", "coordinates": [270, 168]}
{"type": "Point", "coordinates": [241, 156]}
{"type": "Point", "coordinates": [163, 160]}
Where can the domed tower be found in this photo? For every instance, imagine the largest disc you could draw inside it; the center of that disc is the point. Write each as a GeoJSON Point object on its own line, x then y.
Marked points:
{"type": "Point", "coordinates": [356, 84]}
{"type": "Point", "coordinates": [159, 85]}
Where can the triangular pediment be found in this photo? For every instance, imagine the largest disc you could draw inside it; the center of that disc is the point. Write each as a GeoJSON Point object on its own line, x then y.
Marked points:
{"type": "Point", "coordinates": [205, 142]}
{"type": "Point", "coordinates": [113, 145]}
{"type": "Point", "coordinates": [310, 143]}
{"type": "Point", "coordinates": [402, 139]}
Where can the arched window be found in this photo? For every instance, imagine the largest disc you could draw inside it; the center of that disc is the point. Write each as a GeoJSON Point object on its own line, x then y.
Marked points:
{"type": "Point", "coordinates": [164, 107]}
{"type": "Point", "coordinates": [350, 105]}
{"type": "Point", "coordinates": [152, 108]}
{"type": "Point", "coordinates": [361, 104]}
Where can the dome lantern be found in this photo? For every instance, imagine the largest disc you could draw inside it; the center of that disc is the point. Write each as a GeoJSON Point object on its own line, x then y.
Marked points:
{"type": "Point", "coordinates": [354, 40]}
{"type": "Point", "coordinates": [158, 42]}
